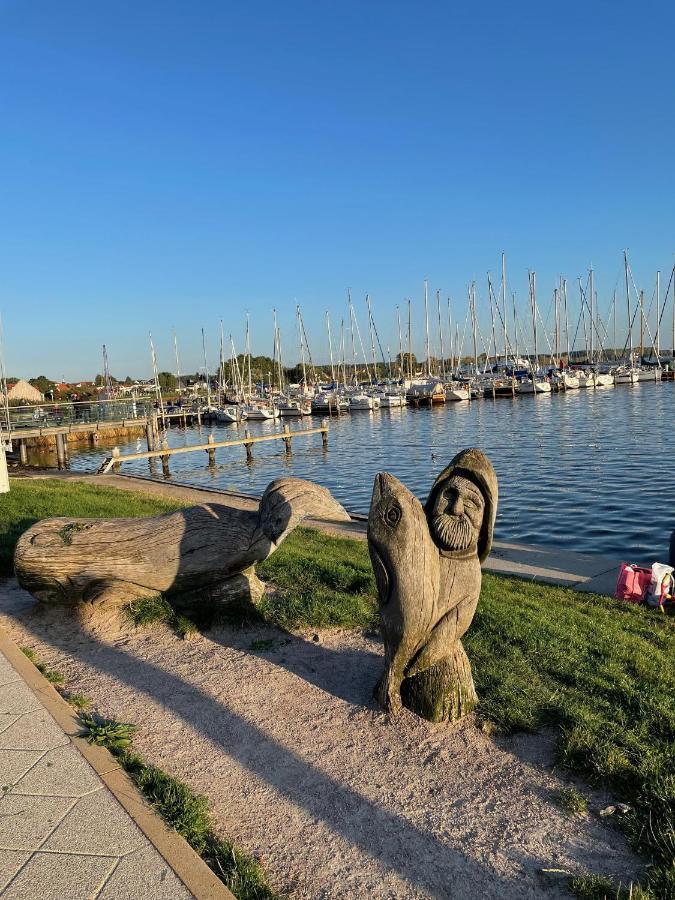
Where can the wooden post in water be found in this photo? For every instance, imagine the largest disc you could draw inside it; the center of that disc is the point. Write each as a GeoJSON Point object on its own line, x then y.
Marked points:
{"type": "Point", "coordinates": [150, 435]}
{"type": "Point", "coordinates": [212, 453]}
{"type": "Point", "coordinates": [287, 440]}
{"type": "Point", "coordinates": [116, 453]}
{"type": "Point", "coordinates": [93, 438]}
{"type": "Point", "coordinates": [324, 434]}
{"type": "Point", "coordinates": [199, 416]}
{"type": "Point", "coordinates": [248, 447]}
{"type": "Point", "coordinates": [61, 451]}
{"type": "Point", "coordinates": [165, 459]}
{"type": "Point", "coordinates": [23, 453]}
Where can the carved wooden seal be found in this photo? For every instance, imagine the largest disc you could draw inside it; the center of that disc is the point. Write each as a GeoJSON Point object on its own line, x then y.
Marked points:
{"type": "Point", "coordinates": [427, 563]}
{"type": "Point", "coordinates": [206, 551]}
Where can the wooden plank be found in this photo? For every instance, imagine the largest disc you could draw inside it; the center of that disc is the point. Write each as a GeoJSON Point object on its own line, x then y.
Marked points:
{"type": "Point", "coordinates": [240, 442]}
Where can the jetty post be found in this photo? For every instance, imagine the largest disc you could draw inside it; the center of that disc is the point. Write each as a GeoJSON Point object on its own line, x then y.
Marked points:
{"type": "Point", "coordinates": [287, 440]}
{"type": "Point", "coordinates": [248, 446]}
{"type": "Point", "coordinates": [61, 451]}
{"type": "Point", "coordinates": [324, 433]}
{"type": "Point", "coordinates": [23, 453]}
{"type": "Point", "coordinates": [115, 455]}
{"type": "Point", "coordinates": [165, 458]}
{"type": "Point", "coordinates": [210, 451]}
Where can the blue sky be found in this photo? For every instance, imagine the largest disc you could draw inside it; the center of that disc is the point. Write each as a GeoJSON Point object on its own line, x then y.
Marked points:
{"type": "Point", "coordinates": [170, 164]}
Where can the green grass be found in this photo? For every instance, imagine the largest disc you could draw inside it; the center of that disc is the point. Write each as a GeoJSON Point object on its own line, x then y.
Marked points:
{"type": "Point", "coordinates": [54, 677]}
{"type": "Point", "coordinates": [571, 801]}
{"type": "Point", "coordinates": [324, 582]}
{"type": "Point", "coordinates": [148, 611]}
{"type": "Point", "coordinates": [183, 810]}
{"type": "Point", "coordinates": [30, 500]}
{"type": "Point", "coordinates": [599, 671]}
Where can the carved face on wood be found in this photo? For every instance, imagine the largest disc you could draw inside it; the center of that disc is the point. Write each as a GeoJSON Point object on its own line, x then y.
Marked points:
{"type": "Point", "coordinates": [456, 514]}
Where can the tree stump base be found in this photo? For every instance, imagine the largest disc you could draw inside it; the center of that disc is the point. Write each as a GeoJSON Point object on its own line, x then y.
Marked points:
{"type": "Point", "coordinates": [443, 693]}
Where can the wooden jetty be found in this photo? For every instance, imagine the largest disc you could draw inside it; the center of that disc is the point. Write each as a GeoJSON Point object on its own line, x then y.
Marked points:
{"type": "Point", "coordinates": [165, 453]}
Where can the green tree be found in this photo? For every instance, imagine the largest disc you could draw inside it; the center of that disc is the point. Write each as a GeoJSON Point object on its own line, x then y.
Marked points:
{"type": "Point", "coordinates": [42, 383]}
{"type": "Point", "coordinates": [167, 381]}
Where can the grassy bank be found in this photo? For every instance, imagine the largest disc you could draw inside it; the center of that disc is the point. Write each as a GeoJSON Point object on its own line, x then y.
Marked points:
{"type": "Point", "coordinates": [598, 671]}
{"type": "Point", "coordinates": [30, 500]}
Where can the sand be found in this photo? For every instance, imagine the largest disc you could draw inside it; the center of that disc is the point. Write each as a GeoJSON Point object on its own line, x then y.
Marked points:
{"type": "Point", "coordinates": [303, 771]}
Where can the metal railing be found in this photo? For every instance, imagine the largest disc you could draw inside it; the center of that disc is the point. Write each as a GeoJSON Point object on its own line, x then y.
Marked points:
{"type": "Point", "coordinates": [81, 412]}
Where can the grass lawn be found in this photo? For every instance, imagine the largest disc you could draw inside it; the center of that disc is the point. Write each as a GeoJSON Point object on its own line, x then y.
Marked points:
{"type": "Point", "coordinates": [30, 500]}
{"type": "Point", "coordinates": [600, 671]}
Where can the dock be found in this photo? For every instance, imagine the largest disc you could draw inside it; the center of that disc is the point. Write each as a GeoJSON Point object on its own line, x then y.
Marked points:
{"type": "Point", "coordinates": [115, 460]}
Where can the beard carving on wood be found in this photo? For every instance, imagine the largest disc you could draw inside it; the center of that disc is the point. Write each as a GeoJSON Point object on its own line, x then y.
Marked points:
{"type": "Point", "coordinates": [427, 564]}
{"type": "Point", "coordinates": [457, 514]}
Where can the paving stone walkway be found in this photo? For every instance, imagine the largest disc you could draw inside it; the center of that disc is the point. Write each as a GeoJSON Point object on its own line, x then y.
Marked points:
{"type": "Point", "coordinates": [63, 835]}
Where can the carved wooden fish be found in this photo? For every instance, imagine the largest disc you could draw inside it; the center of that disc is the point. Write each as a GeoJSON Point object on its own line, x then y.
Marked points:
{"type": "Point", "coordinates": [406, 564]}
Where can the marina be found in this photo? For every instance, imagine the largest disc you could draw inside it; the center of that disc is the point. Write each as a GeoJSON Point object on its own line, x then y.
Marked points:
{"type": "Point", "coordinates": [582, 470]}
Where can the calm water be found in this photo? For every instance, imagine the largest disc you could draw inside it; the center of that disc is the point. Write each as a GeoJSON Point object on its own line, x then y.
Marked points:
{"type": "Point", "coordinates": [586, 470]}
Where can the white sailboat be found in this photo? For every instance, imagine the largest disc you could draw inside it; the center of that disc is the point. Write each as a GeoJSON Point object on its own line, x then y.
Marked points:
{"type": "Point", "coordinates": [535, 384]}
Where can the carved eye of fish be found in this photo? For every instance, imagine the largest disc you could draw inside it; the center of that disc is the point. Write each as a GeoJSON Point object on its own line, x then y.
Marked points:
{"type": "Point", "coordinates": [392, 515]}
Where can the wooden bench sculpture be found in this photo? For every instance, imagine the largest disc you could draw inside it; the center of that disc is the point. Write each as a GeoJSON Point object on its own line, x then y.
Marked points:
{"type": "Point", "coordinates": [207, 552]}
{"type": "Point", "coordinates": [427, 563]}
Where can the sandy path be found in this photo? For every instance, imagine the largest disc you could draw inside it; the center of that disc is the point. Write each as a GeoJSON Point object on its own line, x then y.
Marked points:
{"type": "Point", "coordinates": [303, 771]}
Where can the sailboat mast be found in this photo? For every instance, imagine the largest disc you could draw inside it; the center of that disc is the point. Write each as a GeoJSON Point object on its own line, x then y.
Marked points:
{"type": "Point", "coordinates": [175, 350]}
{"type": "Point", "coordinates": [452, 349]}
{"type": "Point", "coordinates": [351, 328]}
{"type": "Point", "coordinates": [567, 320]}
{"type": "Point", "coordinates": [302, 347]}
{"type": "Point", "coordinates": [372, 336]}
{"type": "Point", "coordinates": [330, 349]}
{"type": "Point", "coordinates": [400, 342]}
{"type": "Point", "coordinates": [472, 304]}
{"type": "Point", "coordinates": [410, 373]}
{"type": "Point", "coordinates": [506, 336]}
{"type": "Point", "coordinates": [556, 300]}
{"type": "Point", "coordinates": [492, 318]}
{"type": "Point", "coordinates": [426, 321]}
{"type": "Point", "coordinates": [206, 372]}
{"type": "Point", "coordinates": [248, 357]}
{"type": "Point", "coordinates": [440, 333]}
{"type": "Point", "coordinates": [533, 303]}
{"type": "Point", "coordinates": [658, 317]}
{"type": "Point", "coordinates": [592, 290]}
{"type": "Point", "coordinates": [630, 324]}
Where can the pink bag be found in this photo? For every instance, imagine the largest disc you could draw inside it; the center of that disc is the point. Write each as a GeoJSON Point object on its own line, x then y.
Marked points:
{"type": "Point", "coordinates": [632, 583]}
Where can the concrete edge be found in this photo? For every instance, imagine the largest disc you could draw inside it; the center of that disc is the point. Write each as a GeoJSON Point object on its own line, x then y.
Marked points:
{"type": "Point", "coordinates": [178, 854]}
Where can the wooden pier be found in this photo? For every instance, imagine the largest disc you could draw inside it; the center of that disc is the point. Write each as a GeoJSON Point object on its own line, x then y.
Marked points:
{"type": "Point", "coordinates": [115, 460]}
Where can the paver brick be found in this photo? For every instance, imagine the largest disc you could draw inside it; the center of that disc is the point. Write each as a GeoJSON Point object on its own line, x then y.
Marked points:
{"type": "Point", "coordinates": [144, 874]}
{"type": "Point", "coordinates": [17, 698]}
{"type": "Point", "coordinates": [33, 731]}
{"type": "Point", "coordinates": [97, 824]}
{"type": "Point", "coordinates": [57, 876]}
{"type": "Point", "coordinates": [61, 772]}
{"type": "Point", "coordinates": [25, 822]}
{"type": "Point", "coordinates": [10, 863]}
{"type": "Point", "coordinates": [15, 763]}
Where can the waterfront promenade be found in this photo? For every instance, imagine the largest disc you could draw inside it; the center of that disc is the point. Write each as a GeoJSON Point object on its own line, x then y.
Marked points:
{"type": "Point", "coordinates": [72, 824]}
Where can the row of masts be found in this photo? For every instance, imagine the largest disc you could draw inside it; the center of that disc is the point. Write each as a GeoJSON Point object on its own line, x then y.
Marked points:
{"type": "Point", "coordinates": [505, 328]}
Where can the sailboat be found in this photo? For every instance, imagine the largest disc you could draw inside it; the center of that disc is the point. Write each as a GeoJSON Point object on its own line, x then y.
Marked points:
{"type": "Point", "coordinates": [535, 384]}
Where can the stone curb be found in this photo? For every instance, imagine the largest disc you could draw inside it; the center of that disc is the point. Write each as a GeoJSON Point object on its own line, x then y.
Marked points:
{"type": "Point", "coordinates": [185, 862]}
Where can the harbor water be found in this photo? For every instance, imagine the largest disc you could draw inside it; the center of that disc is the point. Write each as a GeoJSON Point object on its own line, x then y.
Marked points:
{"type": "Point", "coordinates": [586, 470]}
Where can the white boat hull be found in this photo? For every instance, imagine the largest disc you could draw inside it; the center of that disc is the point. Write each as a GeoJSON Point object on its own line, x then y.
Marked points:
{"type": "Point", "coordinates": [534, 387]}
{"type": "Point", "coordinates": [457, 394]}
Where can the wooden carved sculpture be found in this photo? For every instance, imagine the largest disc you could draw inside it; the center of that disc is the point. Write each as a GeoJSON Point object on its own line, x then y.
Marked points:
{"type": "Point", "coordinates": [206, 551]}
{"type": "Point", "coordinates": [427, 563]}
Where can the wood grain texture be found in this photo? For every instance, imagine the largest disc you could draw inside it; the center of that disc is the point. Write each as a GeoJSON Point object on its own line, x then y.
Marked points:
{"type": "Point", "coordinates": [427, 563]}
{"type": "Point", "coordinates": [108, 562]}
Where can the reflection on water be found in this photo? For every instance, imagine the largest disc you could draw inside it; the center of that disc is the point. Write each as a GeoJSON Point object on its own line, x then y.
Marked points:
{"type": "Point", "coordinates": [587, 470]}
